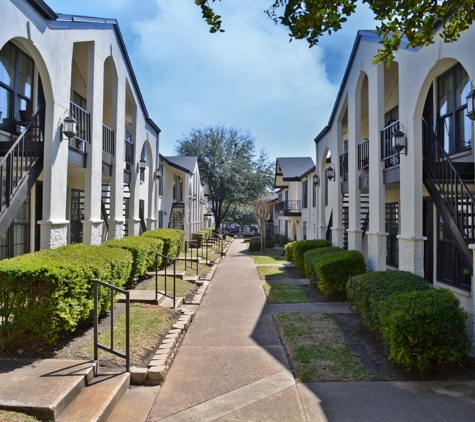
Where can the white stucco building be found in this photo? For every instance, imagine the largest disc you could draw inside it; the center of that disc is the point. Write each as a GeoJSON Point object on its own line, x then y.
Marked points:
{"type": "Point", "coordinates": [97, 185]}
{"type": "Point", "coordinates": [406, 205]}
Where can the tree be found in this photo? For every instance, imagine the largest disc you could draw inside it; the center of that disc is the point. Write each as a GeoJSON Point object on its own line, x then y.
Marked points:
{"type": "Point", "coordinates": [240, 214]}
{"type": "Point", "coordinates": [416, 20]}
{"type": "Point", "coordinates": [261, 211]}
{"type": "Point", "coordinates": [228, 165]}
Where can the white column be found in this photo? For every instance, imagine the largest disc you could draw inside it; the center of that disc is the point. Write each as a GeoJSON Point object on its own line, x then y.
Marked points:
{"type": "Point", "coordinates": [134, 221]}
{"type": "Point", "coordinates": [92, 223]}
{"type": "Point", "coordinates": [377, 198]}
{"type": "Point", "coordinates": [355, 239]}
{"type": "Point", "coordinates": [334, 194]}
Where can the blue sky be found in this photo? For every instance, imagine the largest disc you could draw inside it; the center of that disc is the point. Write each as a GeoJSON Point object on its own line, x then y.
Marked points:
{"type": "Point", "coordinates": [249, 76]}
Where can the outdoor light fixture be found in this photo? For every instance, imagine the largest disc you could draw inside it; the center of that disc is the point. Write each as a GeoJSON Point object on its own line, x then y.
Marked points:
{"type": "Point", "coordinates": [316, 180]}
{"type": "Point", "coordinates": [398, 140]}
{"type": "Point", "coordinates": [142, 164]}
{"type": "Point", "coordinates": [471, 105]}
{"type": "Point", "coordinates": [330, 173]}
{"type": "Point", "coordinates": [158, 173]}
{"type": "Point", "coordinates": [69, 126]}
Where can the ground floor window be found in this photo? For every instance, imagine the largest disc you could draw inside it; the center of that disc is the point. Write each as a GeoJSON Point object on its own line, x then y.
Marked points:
{"type": "Point", "coordinates": [16, 241]}
{"type": "Point", "coordinates": [392, 228]}
{"type": "Point", "coordinates": [76, 216]}
{"type": "Point", "coordinates": [451, 268]}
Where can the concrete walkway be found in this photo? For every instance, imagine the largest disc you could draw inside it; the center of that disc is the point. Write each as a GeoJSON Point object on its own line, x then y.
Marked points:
{"type": "Point", "coordinates": [232, 367]}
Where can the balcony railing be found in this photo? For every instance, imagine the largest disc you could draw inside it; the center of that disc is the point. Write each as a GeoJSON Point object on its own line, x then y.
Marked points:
{"type": "Point", "coordinates": [344, 166]}
{"type": "Point", "coordinates": [108, 140]}
{"type": "Point", "coordinates": [388, 154]}
{"type": "Point", "coordinates": [289, 207]}
{"type": "Point", "coordinates": [83, 135]}
{"type": "Point", "coordinates": [363, 155]}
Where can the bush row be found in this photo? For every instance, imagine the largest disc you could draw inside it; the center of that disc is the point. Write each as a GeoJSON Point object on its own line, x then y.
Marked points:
{"type": "Point", "coordinates": [421, 327]}
{"type": "Point", "coordinates": [51, 291]}
{"type": "Point", "coordinates": [201, 235]}
{"type": "Point", "coordinates": [255, 245]}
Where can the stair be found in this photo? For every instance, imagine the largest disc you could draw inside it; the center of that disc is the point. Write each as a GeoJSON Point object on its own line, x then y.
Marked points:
{"type": "Point", "coordinates": [177, 216]}
{"type": "Point", "coordinates": [364, 206]}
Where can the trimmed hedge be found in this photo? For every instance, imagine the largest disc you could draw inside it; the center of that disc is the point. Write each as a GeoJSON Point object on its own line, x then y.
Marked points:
{"type": "Point", "coordinates": [333, 271]}
{"type": "Point", "coordinates": [143, 249]}
{"type": "Point", "coordinates": [255, 245]}
{"type": "Point", "coordinates": [173, 240]}
{"type": "Point", "coordinates": [289, 252]}
{"type": "Point", "coordinates": [368, 292]}
{"type": "Point", "coordinates": [281, 239]}
{"type": "Point", "coordinates": [302, 246]}
{"type": "Point", "coordinates": [200, 235]}
{"type": "Point", "coordinates": [312, 257]}
{"type": "Point", "coordinates": [424, 329]}
{"type": "Point", "coordinates": [51, 291]}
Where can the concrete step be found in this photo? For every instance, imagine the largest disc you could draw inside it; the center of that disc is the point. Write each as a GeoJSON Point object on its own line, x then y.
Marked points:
{"type": "Point", "coordinates": [96, 402]}
{"type": "Point", "coordinates": [179, 274]}
{"type": "Point", "coordinates": [168, 302]}
{"type": "Point", "coordinates": [142, 296]}
{"type": "Point", "coordinates": [135, 404]}
{"type": "Point", "coordinates": [192, 278]}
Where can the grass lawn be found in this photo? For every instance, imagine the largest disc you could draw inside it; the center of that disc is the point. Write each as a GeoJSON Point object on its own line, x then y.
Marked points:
{"type": "Point", "coordinates": [148, 325]}
{"type": "Point", "coordinates": [285, 293]}
{"type": "Point", "coordinates": [318, 349]}
{"type": "Point", "coordinates": [278, 273]}
{"type": "Point", "coordinates": [8, 416]}
{"type": "Point", "coordinates": [271, 256]}
{"type": "Point", "coordinates": [183, 287]}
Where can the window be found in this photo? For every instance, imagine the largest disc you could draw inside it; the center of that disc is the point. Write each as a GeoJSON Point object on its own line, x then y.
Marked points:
{"type": "Point", "coordinates": [392, 228]}
{"type": "Point", "coordinates": [454, 127]}
{"type": "Point", "coordinates": [177, 188]}
{"type": "Point", "coordinates": [160, 182]}
{"type": "Point", "coordinates": [16, 85]}
{"type": "Point", "coordinates": [305, 194]}
{"type": "Point", "coordinates": [76, 216]}
{"type": "Point", "coordinates": [304, 229]}
{"type": "Point", "coordinates": [314, 195]}
{"type": "Point", "coordinates": [16, 240]}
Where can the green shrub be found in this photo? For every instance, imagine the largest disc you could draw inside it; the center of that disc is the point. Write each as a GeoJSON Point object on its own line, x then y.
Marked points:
{"type": "Point", "coordinates": [173, 240]}
{"type": "Point", "coordinates": [302, 246]}
{"type": "Point", "coordinates": [288, 250]}
{"type": "Point", "coordinates": [367, 292]}
{"type": "Point", "coordinates": [255, 245]}
{"type": "Point", "coordinates": [333, 271]}
{"type": "Point", "coordinates": [143, 249]}
{"type": "Point", "coordinates": [424, 329]}
{"type": "Point", "coordinates": [200, 236]}
{"type": "Point", "coordinates": [40, 299]}
{"type": "Point", "coordinates": [311, 259]}
{"type": "Point", "coordinates": [281, 239]}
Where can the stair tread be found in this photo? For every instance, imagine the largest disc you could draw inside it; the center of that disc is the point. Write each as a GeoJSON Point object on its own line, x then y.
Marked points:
{"type": "Point", "coordinates": [134, 405]}
{"type": "Point", "coordinates": [95, 402]}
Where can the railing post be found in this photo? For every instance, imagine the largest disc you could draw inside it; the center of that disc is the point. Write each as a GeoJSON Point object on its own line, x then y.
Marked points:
{"type": "Point", "coordinates": [127, 331]}
{"type": "Point", "coordinates": [96, 320]}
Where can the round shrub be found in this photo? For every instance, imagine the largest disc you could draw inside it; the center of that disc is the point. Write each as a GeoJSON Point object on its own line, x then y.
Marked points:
{"type": "Point", "coordinates": [424, 329]}
{"type": "Point", "coordinates": [311, 259]}
{"type": "Point", "coordinates": [367, 292]}
{"type": "Point", "coordinates": [302, 246]}
{"type": "Point", "coordinates": [288, 250]}
{"type": "Point", "coordinates": [173, 240]}
{"type": "Point", "coordinates": [334, 270]}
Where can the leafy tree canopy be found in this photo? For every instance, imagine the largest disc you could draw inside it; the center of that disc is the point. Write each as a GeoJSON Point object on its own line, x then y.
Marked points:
{"type": "Point", "coordinates": [240, 214]}
{"type": "Point", "coordinates": [414, 19]}
{"type": "Point", "coordinates": [228, 165]}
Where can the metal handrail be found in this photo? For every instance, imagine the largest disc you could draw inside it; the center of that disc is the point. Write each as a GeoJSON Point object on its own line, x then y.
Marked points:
{"type": "Point", "coordinates": [105, 218]}
{"type": "Point", "coordinates": [190, 246]}
{"type": "Point", "coordinates": [108, 140]}
{"type": "Point", "coordinates": [111, 349]}
{"type": "Point", "coordinates": [21, 158]}
{"type": "Point", "coordinates": [387, 147]}
{"type": "Point", "coordinates": [328, 234]}
{"type": "Point", "coordinates": [167, 260]}
{"type": "Point", "coordinates": [363, 155]}
{"type": "Point", "coordinates": [289, 206]}
{"type": "Point", "coordinates": [344, 165]}
{"type": "Point", "coordinates": [202, 245]}
{"type": "Point", "coordinates": [83, 119]}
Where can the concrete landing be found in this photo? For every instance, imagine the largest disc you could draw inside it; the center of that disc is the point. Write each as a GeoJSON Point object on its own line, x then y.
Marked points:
{"type": "Point", "coordinates": [42, 388]}
{"type": "Point", "coordinates": [143, 296]}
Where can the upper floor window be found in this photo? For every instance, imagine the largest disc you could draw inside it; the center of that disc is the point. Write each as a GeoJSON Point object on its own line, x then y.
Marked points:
{"type": "Point", "coordinates": [305, 194]}
{"type": "Point", "coordinates": [454, 128]}
{"type": "Point", "coordinates": [16, 85]}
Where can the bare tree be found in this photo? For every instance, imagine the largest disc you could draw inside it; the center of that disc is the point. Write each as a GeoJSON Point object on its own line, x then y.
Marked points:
{"type": "Point", "coordinates": [261, 211]}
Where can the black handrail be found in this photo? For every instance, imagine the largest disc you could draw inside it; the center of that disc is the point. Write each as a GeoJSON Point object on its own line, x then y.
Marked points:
{"type": "Point", "coordinates": [363, 155]}
{"type": "Point", "coordinates": [105, 218]}
{"type": "Point", "coordinates": [166, 262]}
{"type": "Point", "coordinates": [328, 235]}
{"type": "Point", "coordinates": [189, 247]}
{"type": "Point", "coordinates": [110, 348]}
{"type": "Point", "coordinates": [20, 158]}
{"type": "Point", "coordinates": [202, 245]}
{"type": "Point", "coordinates": [108, 140]}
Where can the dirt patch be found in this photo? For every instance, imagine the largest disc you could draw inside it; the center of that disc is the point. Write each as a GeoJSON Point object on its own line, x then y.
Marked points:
{"type": "Point", "coordinates": [366, 344]}
{"type": "Point", "coordinates": [314, 295]}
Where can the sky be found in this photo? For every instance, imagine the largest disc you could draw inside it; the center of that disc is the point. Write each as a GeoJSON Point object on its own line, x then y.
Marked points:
{"type": "Point", "coordinates": [249, 77]}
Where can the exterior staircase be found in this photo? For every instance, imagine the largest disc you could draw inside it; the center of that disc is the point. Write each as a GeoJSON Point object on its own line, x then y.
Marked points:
{"type": "Point", "coordinates": [448, 185]}
{"type": "Point", "coordinates": [20, 168]}
{"type": "Point", "coordinates": [177, 216]}
{"type": "Point", "coordinates": [364, 206]}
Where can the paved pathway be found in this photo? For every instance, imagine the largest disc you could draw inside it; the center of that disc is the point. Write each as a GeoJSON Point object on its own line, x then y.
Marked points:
{"type": "Point", "coordinates": [232, 367]}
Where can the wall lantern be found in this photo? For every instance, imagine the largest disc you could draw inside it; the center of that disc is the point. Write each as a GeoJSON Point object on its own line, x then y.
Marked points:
{"type": "Point", "coordinates": [142, 164]}
{"type": "Point", "coordinates": [69, 127]}
{"type": "Point", "coordinates": [330, 173]}
{"type": "Point", "coordinates": [471, 105]}
{"type": "Point", "coordinates": [316, 180]}
{"type": "Point", "coordinates": [158, 173]}
{"type": "Point", "coordinates": [398, 141]}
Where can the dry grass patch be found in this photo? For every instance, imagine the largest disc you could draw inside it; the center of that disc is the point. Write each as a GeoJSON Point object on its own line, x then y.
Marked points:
{"type": "Point", "coordinates": [285, 293]}
{"type": "Point", "coordinates": [318, 349]}
{"type": "Point", "coordinates": [183, 288]}
{"type": "Point", "coordinates": [9, 416]}
{"type": "Point", "coordinates": [148, 325]}
{"type": "Point", "coordinates": [278, 273]}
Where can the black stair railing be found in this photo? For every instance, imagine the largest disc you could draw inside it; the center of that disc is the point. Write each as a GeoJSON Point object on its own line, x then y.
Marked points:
{"type": "Point", "coordinates": [167, 262]}
{"type": "Point", "coordinates": [328, 235]}
{"type": "Point", "coordinates": [189, 260]}
{"type": "Point", "coordinates": [21, 158]}
{"type": "Point", "coordinates": [451, 195]}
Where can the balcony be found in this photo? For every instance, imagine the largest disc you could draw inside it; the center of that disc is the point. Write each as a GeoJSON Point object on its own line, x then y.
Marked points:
{"type": "Point", "coordinates": [77, 145]}
{"type": "Point", "coordinates": [289, 208]}
{"type": "Point", "coordinates": [388, 154]}
{"type": "Point", "coordinates": [128, 159]}
{"type": "Point", "coordinates": [363, 163]}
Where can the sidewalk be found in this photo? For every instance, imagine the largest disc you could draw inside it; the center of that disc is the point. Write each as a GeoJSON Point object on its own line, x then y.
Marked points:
{"type": "Point", "coordinates": [232, 367]}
